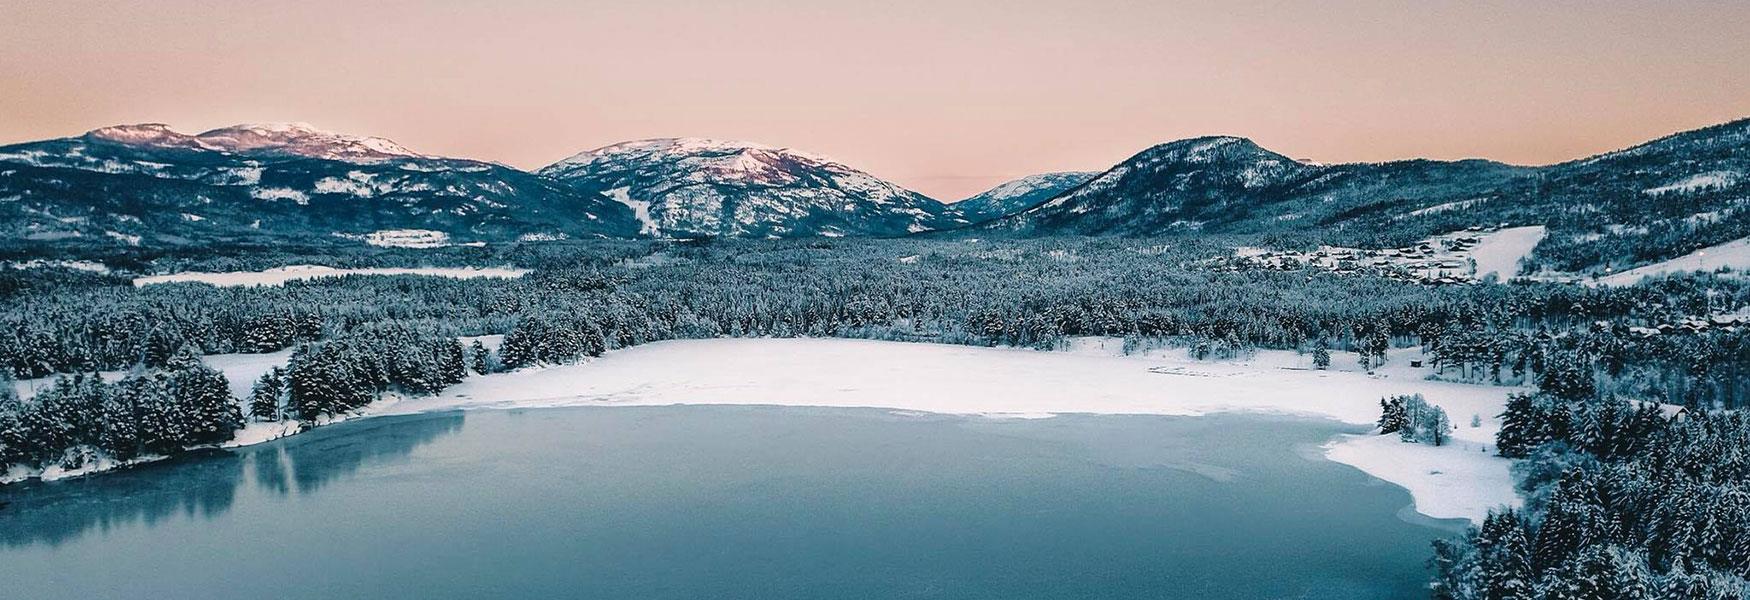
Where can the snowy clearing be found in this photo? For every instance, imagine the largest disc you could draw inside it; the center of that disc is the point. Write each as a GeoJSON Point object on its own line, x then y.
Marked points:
{"type": "Point", "coordinates": [1501, 251]}
{"type": "Point", "coordinates": [1734, 254]}
{"type": "Point", "coordinates": [408, 238]}
{"type": "Point", "coordinates": [1462, 480]}
{"type": "Point", "coordinates": [241, 371]}
{"type": "Point", "coordinates": [283, 274]}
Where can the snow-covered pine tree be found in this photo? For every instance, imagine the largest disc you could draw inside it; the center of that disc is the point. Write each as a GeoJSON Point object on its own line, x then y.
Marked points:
{"type": "Point", "coordinates": [267, 397]}
{"type": "Point", "coordinates": [1391, 415]}
{"type": "Point", "coordinates": [1523, 427]}
{"type": "Point", "coordinates": [203, 394]}
{"type": "Point", "coordinates": [481, 358]}
{"type": "Point", "coordinates": [1321, 354]}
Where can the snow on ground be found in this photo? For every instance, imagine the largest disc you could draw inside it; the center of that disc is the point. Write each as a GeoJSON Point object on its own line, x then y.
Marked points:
{"type": "Point", "coordinates": [283, 274]}
{"type": "Point", "coordinates": [1734, 254]}
{"type": "Point", "coordinates": [1501, 251]}
{"type": "Point", "coordinates": [241, 371]}
{"type": "Point", "coordinates": [77, 265]}
{"type": "Point", "coordinates": [1711, 179]}
{"type": "Point", "coordinates": [1462, 480]}
{"type": "Point", "coordinates": [256, 433]}
{"type": "Point", "coordinates": [491, 342]}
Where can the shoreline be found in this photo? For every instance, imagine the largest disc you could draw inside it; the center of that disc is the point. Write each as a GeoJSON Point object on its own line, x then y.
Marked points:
{"type": "Point", "coordinates": [1460, 480]}
{"type": "Point", "coordinates": [1090, 376]}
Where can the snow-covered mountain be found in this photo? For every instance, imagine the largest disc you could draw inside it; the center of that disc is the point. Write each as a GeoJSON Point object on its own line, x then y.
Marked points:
{"type": "Point", "coordinates": [1654, 200]}
{"type": "Point", "coordinates": [262, 140]}
{"type": "Point", "coordinates": [1168, 187]}
{"type": "Point", "coordinates": [684, 187]}
{"type": "Point", "coordinates": [151, 185]}
{"type": "Point", "coordinates": [1018, 195]}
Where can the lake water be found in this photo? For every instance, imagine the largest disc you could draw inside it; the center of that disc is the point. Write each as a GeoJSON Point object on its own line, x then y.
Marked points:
{"type": "Point", "coordinates": [731, 502]}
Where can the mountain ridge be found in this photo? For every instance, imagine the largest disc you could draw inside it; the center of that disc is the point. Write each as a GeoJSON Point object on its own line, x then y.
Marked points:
{"type": "Point", "coordinates": [693, 187]}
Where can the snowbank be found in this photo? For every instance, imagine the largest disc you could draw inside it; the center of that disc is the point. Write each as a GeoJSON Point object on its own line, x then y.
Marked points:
{"type": "Point", "coordinates": [1461, 480]}
{"type": "Point", "coordinates": [283, 274]}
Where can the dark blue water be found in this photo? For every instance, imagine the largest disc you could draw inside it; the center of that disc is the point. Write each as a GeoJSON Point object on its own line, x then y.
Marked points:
{"type": "Point", "coordinates": [730, 502]}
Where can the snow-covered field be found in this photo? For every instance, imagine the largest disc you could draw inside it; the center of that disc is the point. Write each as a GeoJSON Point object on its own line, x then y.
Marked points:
{"type": "Point", "coordinates": [1461, 480]}
{"type": "Point", "coordinates": [283, 274]}
{"type": "Point", "coordinates": [1734, 254]}
{"type": "Point", "coordinates": [1500, 252]}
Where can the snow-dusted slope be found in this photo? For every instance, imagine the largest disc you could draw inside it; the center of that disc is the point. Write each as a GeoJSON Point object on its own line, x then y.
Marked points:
{"type": "Point", "coordinates": [1018, 195]}
{"type": "Point", "coordinates": [1734, 255]}
{"type": "Point", "coordinates": [693, 186]}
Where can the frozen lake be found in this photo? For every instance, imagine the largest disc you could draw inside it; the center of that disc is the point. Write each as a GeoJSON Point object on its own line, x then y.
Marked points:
{"type": "Point", "coordinates": [733, 502]}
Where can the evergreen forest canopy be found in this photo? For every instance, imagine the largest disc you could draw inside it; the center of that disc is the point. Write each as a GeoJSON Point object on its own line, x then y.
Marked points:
{"type": "Point", "coordinates": [1625, 499]}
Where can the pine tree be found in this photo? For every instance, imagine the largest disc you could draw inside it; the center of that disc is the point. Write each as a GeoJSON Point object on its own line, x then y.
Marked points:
{"type": "Point", "coordinates": [120, 436]}
{"type": "Point", "coordinates": [1321, 355]}
{"type": "Point", "coordinates": [1522, 427]}
{"type": "Point", "coordinates": [1510, 576]}
{"type": "Point", "coordinates": [1567, 377]}
{"type": "Point", "coordinates": [1392, 418]}
{"type": "Point", "coordinates": [266, 397]}
{"type": "Point", "coordinates": [481, 356]}
{"type": "Point", "coordinates": [17, 444]}
{"type": "Point", "coordinates": [454, 363]}
{"type": "Point", "coordinates": [204, 396]}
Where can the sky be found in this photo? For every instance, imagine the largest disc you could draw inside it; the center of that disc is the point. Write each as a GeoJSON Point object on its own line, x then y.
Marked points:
{"type": "Point", "coordinates": [947, 97]}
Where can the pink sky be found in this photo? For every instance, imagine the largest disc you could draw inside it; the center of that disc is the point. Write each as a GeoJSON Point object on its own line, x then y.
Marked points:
{"type": "Point", "coordinates": [944, 96]}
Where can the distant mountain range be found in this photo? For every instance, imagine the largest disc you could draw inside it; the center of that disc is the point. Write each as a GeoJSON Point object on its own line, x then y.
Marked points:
{"type": "Point", "coordinates": [148, 185]}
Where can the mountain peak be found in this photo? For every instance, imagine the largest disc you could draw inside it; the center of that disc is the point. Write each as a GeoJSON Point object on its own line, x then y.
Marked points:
{"type": "Point", "coordinates": [146, 134]}
{"type": "Point", "coordinates": [703, 186]}
{"type": "Point", "coordinates": [302, 139]}
{"type": "Point", "coordinates": [266, 139]}
{"type": "Point", "coordinates": [1214, 148]}
{"type": "Point", "coordinates": [727, 156]}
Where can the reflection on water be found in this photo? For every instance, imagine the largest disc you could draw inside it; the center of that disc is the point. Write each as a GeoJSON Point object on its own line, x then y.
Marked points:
{"type": "Point", "coordinates": [205, 483]}
{"type": "Point", "coordinates": [730, 503]}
